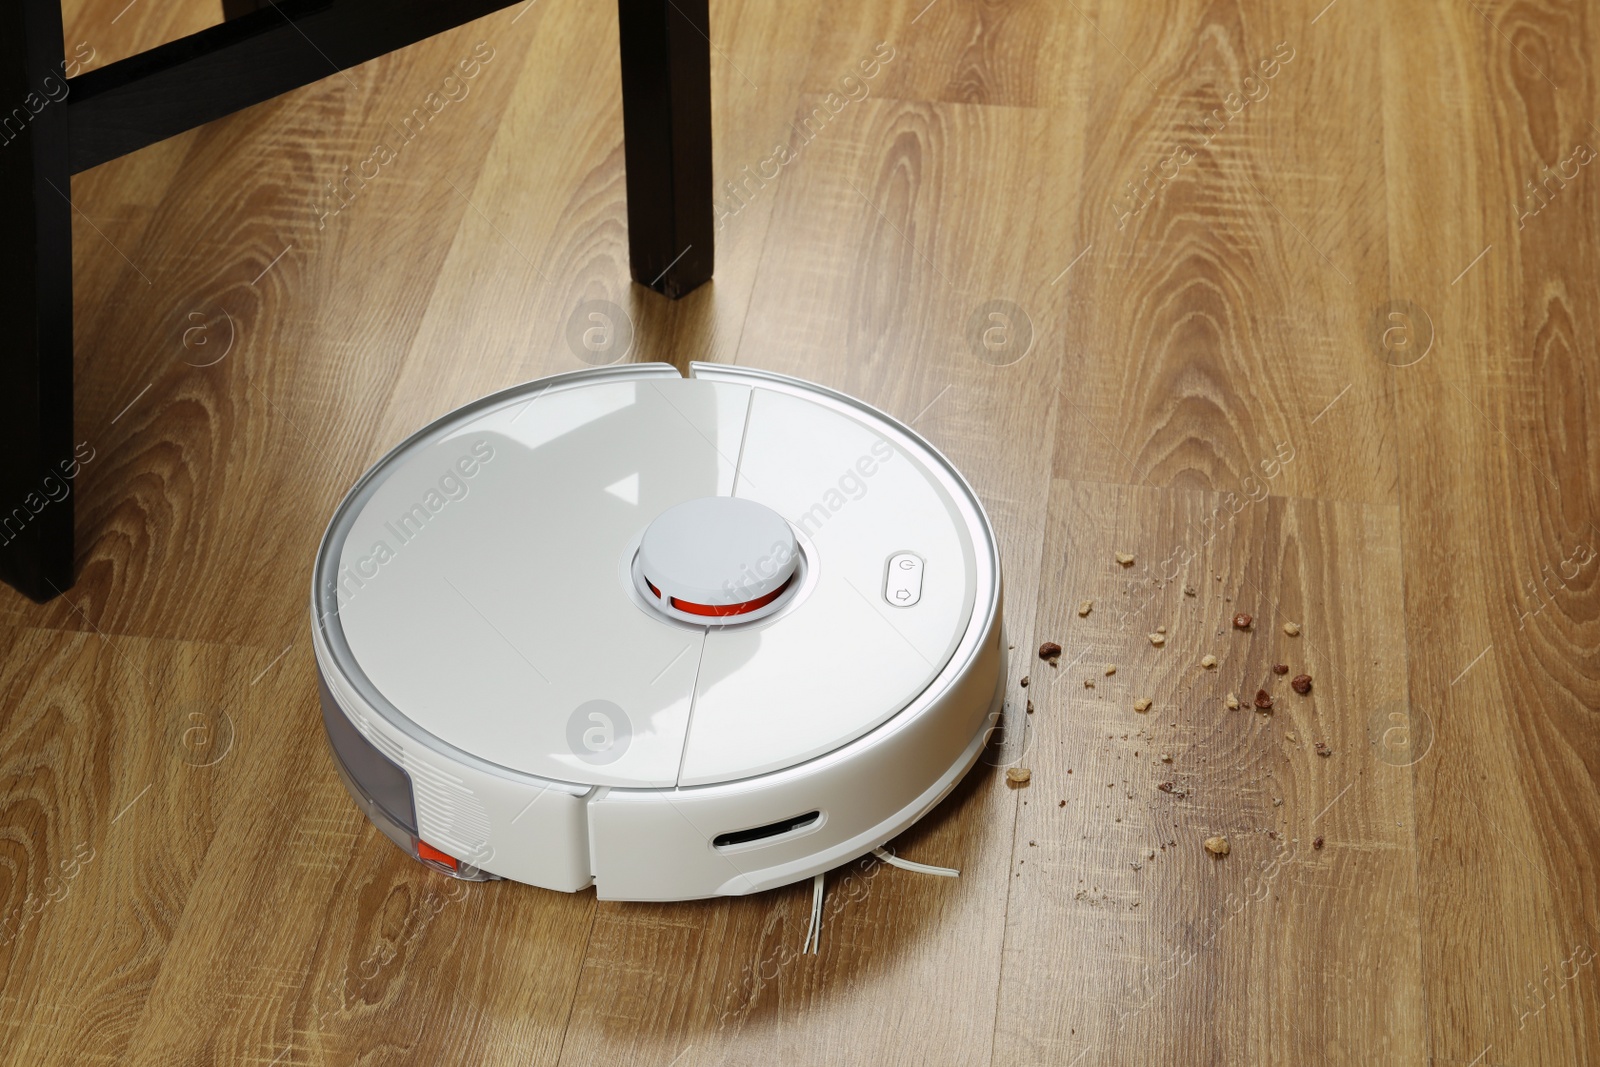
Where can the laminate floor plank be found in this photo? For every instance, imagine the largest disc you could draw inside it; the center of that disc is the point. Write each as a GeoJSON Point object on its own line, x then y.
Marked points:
{"type": "Point", "coordinates": [1336, 367]}
{"type": "Point", "coordinates": [1499, 442]}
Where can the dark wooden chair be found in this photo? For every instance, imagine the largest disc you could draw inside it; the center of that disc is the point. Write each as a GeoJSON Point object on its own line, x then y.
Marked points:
{"type": "Point", "coordinates": [263, 48]}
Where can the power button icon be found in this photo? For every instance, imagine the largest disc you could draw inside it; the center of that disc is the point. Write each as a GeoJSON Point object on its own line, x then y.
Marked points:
{"type": "Point", "coordinates": [902, 583]}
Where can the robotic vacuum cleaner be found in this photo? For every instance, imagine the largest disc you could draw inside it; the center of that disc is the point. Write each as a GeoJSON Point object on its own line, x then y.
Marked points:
{"type": "Point", "coordinates": [670, 637]}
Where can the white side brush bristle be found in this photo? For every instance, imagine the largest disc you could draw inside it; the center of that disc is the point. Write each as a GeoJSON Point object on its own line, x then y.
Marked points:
{"type": "Point", "coordinates": [907, 865]}
{"type": "Point", "coordinates": [814, 931]}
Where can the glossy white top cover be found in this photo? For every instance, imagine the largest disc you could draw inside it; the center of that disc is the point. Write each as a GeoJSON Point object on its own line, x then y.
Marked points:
{"type": "Point", "coordinates": [485, 591]}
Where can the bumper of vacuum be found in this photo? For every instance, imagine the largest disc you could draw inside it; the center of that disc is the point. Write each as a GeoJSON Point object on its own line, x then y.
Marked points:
{"type": "Point", "coordinates": [668, 844]}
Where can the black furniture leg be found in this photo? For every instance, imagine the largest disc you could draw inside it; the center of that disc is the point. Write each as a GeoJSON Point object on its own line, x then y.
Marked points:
{"type": "Point", "coordinates": [36, 454]}
{"type": "Point", "coordinates": [666, 122]}
{"type": "Point", "coordinates": [51, 126]}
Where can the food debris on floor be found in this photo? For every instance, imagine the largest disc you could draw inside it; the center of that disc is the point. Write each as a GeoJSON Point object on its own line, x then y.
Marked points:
{"type": "Point", "coordinates": [1292, 629]}
{"type": "Point", "coordinates": [1125, 558]}
{"type": "Point", "coordinates": [1050, 652]}
{"type": "Point", "coordinates": [1232, 702]}
{"type": "Point", "coordinates": [1018, 775]}
{"type": "Point", "coordinates": [1141, 705]}
{"type": "Point", "coordinates": [1111, 668]}
{"type": "Point", "coordinates": [1280, 668]}
{"type": "Point", "coordinates": [1188, 590]}
{"type": "Point", "coordinates": [1166, 757]}
{"type": "Point", "coordinates": [1084, 608]}
{"type": "Point", "coordinates": [1301, 683]}
{"type": "Point", "coordinates": [1218, 845]}
{"type": "Point", "coordinates": [1158, 639]}
{"type": "Point", "coordinates": [1208, 661]}
{"type": "Point", "coordinates": [1030, 707]}
{"type": "Point", "coordinates": [1263, 700]}
{"type": "Point", "coordinates": [1088, 683]}
{"type": "Point", "coordinates": [1317, 844]}
{"type": "Point", "coordinates": [1024, 682]}
{"type": "Point", "coordinates": [1242, 621]}
{"type": "Point", "coordinates": [1323, 750]}
{"type": "Point", "coordinates": [1290, 737]}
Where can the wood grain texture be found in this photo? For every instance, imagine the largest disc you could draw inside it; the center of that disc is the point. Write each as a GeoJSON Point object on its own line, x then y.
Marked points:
{"type": "Point", "coordinates": [1336, 368]}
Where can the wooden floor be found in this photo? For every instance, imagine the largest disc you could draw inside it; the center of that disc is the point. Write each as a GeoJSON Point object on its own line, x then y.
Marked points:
{"type": "Point", "coordinates": [1258, 293]}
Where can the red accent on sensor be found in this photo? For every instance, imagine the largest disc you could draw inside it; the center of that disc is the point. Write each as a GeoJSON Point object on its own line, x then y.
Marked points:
{"type": "Point", "coordinates": [725, 610]}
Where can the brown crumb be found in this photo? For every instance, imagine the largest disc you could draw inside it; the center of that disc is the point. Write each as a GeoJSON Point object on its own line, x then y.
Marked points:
{"type": "Point", "coordinates": [1166, 757]}
{"type": "Point", "coordinates": [1232, 702]}
{"type": "Point", "coordinates": [1050, 652]}
{"type": "Point", "coordinates": [1018, 775]}
{"type": "Point", "coordinates": [1030, 707]}
{"type": "Point", "coordinates": [1317, 844]}
{"type": "Point", "coordinates": [1088, 683]}
{"type": "Point", "coordinates": [1111, 668]}
{"type": "Point", "coordinates": [1290, 737]}
{"type": "Point", "coordinates": [1085, 607]}
{"type": "Point", "coordinates": [1301, 683]}
{"type": "Point", "coordinates": [1208, 662]}
{"type": "Point", "coordinates": [1166, 787]}
{"type": "Point", "coordinates": [1062, 804]}
{"type": "Point", "coordinates": [1292, 629]}
{"type": "Point", "coordinates": [1218, 845]}
{"type": "Point", "coordinates": [1025, 680]}
{"type": "Point", "coordinates": [1280, 668]}
{"type": "Point", "coordinates": [1161, 629]}
{"type": "Point", "coordinates": [1188, 590]}
{"type": "Point", "coordinates": [1141, 705]}
{"type": "Point", "coordinates": [1263, 700]}
{"type": "Point", "coordinates": [1242, 621]}
{"type": "Point", "coordinates": [1323, 750]}
{"type": "Point", "coordinates": [1158, 639]}
{"type": "Point", "coordinates": [1125, 558]}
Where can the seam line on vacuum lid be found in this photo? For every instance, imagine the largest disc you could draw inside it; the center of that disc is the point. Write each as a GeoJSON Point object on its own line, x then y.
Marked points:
{"type": "Point", "coordinates": [694, 698]}
{"type": "Point", "coordinates": [699, 433]}
{"type": "Point", "coordinates": [744, 436]}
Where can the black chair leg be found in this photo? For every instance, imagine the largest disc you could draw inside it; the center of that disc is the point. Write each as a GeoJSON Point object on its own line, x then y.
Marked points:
{"type": "Point", "coordinates": [666, 85]}
{"type": "Point", "coordinates": [666, 120]}
{"type": "Point", "coordinates": [36, 453]}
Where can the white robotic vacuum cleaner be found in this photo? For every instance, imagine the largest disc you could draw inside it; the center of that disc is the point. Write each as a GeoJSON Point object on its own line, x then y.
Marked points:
{"type": "Point", "coordinates": [670, 637]}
